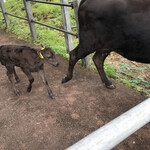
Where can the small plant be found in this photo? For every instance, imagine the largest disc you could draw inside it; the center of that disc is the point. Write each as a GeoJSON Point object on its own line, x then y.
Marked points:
{"type": "Point", "coordinates": [110, 70]}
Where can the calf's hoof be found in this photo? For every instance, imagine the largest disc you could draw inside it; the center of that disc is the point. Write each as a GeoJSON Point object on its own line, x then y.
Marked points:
{"type": "Point", "coordinates": [56, 65]}
{"type": "Point", "coordinates": [29, 89]}
{"type": "Point", "coordinates": [17, 92]}
{"type": "Point", "coordinates": [111, 86]}
{"type": "Point", "coordinates": [52, 97]}
{"type": "Point", "coordinates": [66, 79]}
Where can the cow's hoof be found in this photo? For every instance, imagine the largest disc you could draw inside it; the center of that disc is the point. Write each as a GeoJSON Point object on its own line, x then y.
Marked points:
{"type": "Point", "coordinates": [111, 86]}
{"type": "Point", "coordinates": [66, 79]}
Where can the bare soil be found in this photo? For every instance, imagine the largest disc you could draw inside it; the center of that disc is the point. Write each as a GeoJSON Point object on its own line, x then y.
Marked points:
{"type": "Point", "coordinates": [33, 121]}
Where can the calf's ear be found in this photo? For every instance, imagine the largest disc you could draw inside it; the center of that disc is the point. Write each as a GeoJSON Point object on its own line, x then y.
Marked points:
{"type": "Point", "coordinates": [40, 54]}
{"type": "Point", "coordinates": [43, 45]}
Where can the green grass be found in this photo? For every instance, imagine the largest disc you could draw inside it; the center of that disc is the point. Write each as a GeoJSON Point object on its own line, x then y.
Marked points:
{"type": "Point", "coordinates": [127, 75]}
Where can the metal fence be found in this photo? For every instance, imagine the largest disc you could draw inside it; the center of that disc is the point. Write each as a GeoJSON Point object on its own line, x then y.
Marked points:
{"type": "Point", "coordinates": [117, 130]}
{"type": "Point", "coordinates": [64, 4]}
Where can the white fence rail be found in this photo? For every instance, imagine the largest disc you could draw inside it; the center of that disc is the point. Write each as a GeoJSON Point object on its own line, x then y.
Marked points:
{"type": "Point", "coordinates": [117, 130]}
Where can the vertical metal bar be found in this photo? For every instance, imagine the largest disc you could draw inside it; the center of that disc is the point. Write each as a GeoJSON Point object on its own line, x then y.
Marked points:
{"type": "Point", "coordinates": [86, 62]}
{"type": "Point", "coordinates": [75, 4]}
{"type": "Point", "coordinates": [117, 130]}
{"type": "Point", "coordinates": [30, 18]}
{"type": "Point", "coordinates": [2, 5]}
{"type": "Point", "coordinates": [67, 25]}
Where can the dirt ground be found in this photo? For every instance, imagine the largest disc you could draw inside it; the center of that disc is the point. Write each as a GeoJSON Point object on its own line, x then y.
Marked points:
{"type": "Point", "coordinates": [33, 121]}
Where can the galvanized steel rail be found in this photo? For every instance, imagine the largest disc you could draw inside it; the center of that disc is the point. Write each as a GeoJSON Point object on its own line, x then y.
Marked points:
{"type": "Point", "coordinates": [117, 130]}
{"type": "Point", "coordinates": [61, 30]}
{"type": "Point", "coordinates": [16, 16]}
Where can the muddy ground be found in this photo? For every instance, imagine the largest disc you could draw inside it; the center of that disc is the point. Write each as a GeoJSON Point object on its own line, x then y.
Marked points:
{"type": "Point", "coordinates": [33, 121]}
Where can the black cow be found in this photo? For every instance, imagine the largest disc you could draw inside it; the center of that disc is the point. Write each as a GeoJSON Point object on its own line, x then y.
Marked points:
{"type": "Point", "coordinates": [122, 26]}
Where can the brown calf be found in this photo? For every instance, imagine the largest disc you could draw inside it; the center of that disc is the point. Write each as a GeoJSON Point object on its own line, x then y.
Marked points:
{"type": "Point", "coordinates": [29, 60]}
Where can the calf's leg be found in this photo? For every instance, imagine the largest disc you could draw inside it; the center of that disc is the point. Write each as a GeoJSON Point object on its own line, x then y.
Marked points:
{"type": "Point", "coordinates": [42, 75]}
{"type": "Point", "coordinates": [99, 59]}
{"type": "Point", "coordinates": [16, 76]}
{"type": "Point", "coordinates": [30, 77]}
{"type": "Point", "coordinates": [10, 72]}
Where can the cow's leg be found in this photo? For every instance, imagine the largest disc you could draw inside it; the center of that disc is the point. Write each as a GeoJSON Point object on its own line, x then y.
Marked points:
{"type": "Point", "coordinates": [72, 61]}
{"type": "Point", "coordinates": [42, 75]}
{"type": "Point", "coordinates": [30, 77]}
{"type": "Point", "coordinates": [10, 76]}
{"type": "Point", "coordinates": [99, 59]}
{"type": "Point", "coordinates": [16, 76]}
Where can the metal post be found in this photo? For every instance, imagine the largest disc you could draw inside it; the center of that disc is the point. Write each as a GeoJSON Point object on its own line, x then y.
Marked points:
{"type": "Point", "coordinates": [67, 25]}
{"type": "Point", "coordinates": [86, 61]}
{"type": "Point", "coordinates": [30, 18]}
{"type": "Point", "coordinates": [4, 13]}
{"type": "Point", "coordinates": [117, 130]}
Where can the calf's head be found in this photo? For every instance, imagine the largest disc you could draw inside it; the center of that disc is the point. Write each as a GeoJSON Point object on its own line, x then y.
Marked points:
{"type": "Point", "coordinates": [49, 55]}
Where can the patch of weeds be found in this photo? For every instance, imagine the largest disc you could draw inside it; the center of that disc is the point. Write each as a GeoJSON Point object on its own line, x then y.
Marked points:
{"type": "Point", "coordinates": [143, 81]}
{"type": "Point", "coordinates": [110, 70]}
{"type": "Point", "coordinates": [126, 82]}
{"type": "Point", "coordinates": [127, 75]}
{"type": "Point", "coordinates": [19, 28]}
{"type": "Point", "coordinates": [130, 75]}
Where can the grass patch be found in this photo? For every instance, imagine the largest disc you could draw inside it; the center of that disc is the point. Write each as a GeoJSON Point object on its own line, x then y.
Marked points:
{"type": "Point", "coordinates": [128, 75]}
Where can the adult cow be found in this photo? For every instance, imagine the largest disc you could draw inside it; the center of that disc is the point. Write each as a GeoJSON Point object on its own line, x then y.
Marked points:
{"type": "Point", "coordinates": [122, 26]}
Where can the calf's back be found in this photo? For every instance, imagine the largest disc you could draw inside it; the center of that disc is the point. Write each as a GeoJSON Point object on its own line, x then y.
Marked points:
{"type": "Point", "coordinates": [21, 56]}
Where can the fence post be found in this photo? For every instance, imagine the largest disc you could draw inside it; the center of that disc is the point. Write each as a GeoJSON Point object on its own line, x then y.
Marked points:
{"type": "Point", "coordinates": [85, 61]}
{"type": "Point", "coordinates": [4, 13]}
{"type": "Point", "coordinates": [30, 18]}
{"type": "Point", "coordinates": [67, 25]}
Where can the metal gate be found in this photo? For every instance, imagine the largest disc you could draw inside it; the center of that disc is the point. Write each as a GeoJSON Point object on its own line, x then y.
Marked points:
{"type": "Point", "coordinates": [64, 4]}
